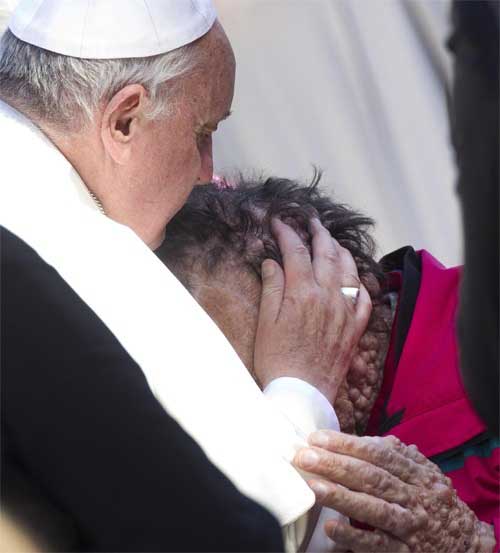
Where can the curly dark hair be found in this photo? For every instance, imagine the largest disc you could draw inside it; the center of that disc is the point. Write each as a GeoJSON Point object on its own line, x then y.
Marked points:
{"type": "Point", "coordinates": [232, 226]}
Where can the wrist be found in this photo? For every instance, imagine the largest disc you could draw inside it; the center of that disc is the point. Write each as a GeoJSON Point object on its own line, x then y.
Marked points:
{"type": "Point", "coordinates": [303, 404]}
{"type": "Point", "coordinates": [328, 387]}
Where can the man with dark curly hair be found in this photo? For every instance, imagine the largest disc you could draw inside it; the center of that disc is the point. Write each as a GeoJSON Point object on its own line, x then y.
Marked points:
{"type": "Point", "coordinates": [404, 379]}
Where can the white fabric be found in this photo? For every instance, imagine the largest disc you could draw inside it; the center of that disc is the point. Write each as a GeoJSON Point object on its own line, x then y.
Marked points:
{"type": "Point", "coordinates": [308, 409]}
{"type": "Point", "coordinates": [305, 406]}
{"type": "Point", "coordinates": [356, 87]}
{"type": "Point", "coordinates": [189, 364]}
{"type": "Point", "coordinates": [103, 29]}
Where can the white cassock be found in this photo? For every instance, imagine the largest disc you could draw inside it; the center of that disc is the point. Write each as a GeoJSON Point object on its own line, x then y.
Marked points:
{"type": "Point", "coordinates": [189, 365]}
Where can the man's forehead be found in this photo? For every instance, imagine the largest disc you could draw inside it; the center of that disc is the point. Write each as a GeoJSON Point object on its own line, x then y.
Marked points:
{"type": "Point", "coordinates": [210, 92]}
{"type": "Point", "coordinates": [217, 79]}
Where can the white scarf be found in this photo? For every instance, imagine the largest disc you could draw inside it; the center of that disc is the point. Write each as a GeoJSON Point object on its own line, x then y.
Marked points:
{"type": "Point", "coordinates": [187, 361]}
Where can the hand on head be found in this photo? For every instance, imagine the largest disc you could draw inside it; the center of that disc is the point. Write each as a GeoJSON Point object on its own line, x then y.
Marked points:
{"type": "Point", "coordinates": [217, 245]}
{"type": "Point", "coordinates": [307, 328]}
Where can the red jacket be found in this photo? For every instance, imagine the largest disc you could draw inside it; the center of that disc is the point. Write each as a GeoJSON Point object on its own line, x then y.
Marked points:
{"type": "Point", "coordinates": [422, 400]}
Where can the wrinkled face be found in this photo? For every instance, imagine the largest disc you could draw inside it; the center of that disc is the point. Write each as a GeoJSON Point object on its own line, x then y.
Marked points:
{"type": "Point", "coordinates": [178, 152]}
{"type": "Point", "coordinates": [231, 297]}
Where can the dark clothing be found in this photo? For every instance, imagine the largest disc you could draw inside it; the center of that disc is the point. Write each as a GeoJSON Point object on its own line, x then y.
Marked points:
{"type": "Point", "coordinates": [82, 431]}
{"type": "Point", "coordinates": [475, 128]}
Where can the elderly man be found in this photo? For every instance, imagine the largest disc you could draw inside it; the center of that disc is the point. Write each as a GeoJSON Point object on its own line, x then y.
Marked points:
{"type": "Point", "coordinates": [106, 115]}
{"type": "Point", "coordinates": [404, 378]}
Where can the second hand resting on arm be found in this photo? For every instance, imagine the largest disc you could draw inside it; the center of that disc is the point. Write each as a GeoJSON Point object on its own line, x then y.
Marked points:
{"type": "Point", "coordinates": [395, 489]}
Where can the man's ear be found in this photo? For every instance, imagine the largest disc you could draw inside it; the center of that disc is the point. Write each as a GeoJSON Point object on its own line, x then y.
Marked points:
{"type": "Point", "coordinates": [122, 121]}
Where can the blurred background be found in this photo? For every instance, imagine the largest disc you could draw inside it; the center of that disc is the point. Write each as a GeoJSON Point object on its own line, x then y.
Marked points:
{"type": "Point", "coordinates": [357, 88]}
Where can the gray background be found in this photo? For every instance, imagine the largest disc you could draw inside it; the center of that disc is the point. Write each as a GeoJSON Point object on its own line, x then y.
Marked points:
{"type": "Point", "coordinates": [356, 87]}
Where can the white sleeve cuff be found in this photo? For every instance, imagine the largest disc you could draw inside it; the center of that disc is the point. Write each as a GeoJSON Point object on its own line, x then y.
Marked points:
{"type": "Point", "coordinates": [305, 406]}
{"type": "Point", "coordinates": [308, 410]}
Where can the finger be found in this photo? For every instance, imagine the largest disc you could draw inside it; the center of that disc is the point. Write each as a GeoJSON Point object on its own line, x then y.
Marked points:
{"type": "Point", "coordinates": [411, 452]}
{"type": "Point", "coordinates": [273, 285]}
{"type": "Point", "coordinates": [363, 310]}
{"type": "Point", "coordinates": [333, 265]}
{"type": "Point", "coordinates": [326, 256]}
{"type": "Point", "coordinates": [362, 507]}
{"type": "Point", "coordinates": [296, 258]}
{"type": "Point", "coordinates": [355, 474]}
{"type": "Point", "coordinates": [378, 451]}
{"type": "Point", "coordinates": [425, 472]}
{"type": "Point", "coordinates": [361, 541]}
{"type": "Point", "coordinates": [425, 467]}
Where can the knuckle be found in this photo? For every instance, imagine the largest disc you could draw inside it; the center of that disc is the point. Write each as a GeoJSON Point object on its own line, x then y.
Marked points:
{"type": "Point", "coordinates": [409, 521]}
{"type": "Point", "coordinates": [388, 516]}
{"type": "Point", "coordinates": [445, 494]}
{"type": "Point", "coordinates": [331, 256]}
{"type": "Point", "coordinates": [330, 496]}
{"type": "Point", "coordinates": [341, 533]}
{"type": "Point", "coordinates": [351, 279]}
{"type": "Point", "coordinates": [367, 448]}
{"type": "Point", "coordinates": [345, 254]}
{"type": "Point", "coordinates": [271, 290]}
{"type": "Point", "coordinates": [413, 542]}
{"type": "Point", "coordinates": [381, 540]}
{"type": "Point", "coordinates": [415, 476]}
{"type": "Point", "coordinates": [341, 249]}
{"type": "Point", "coordinates": [389, 456]}
{"type": "Point", "coordinates": [392, 441]}
{"type": "Point", "coordinates": [300, 250]}
{"type": "Point", "coordinates": [332, 531]}
{"type": "Point", "coordinates": [320, 229]}
{"type": "Point", "coordinates": [332, 458]}
{"type": "Point", "coordinates": [364, 302]}
{"type": "Point", "coordinates": [314, 295]}
{"type": "Point", "coordinates": [374, 481]}
{"type": "Point", "coordinates": [413, 450]}
{"type": "Point", "coordinates": [421, 518]}
{"type": "Point", "coordinates": [404, 496]}
{"type": "Point", "coordinates": [307, 296]}
{"type": "Point", "coordinates": [292, 301]}
{"type": "Point", "coordinates": [343, 442]}
{"type": "Point", "coordinates": [363, 539]}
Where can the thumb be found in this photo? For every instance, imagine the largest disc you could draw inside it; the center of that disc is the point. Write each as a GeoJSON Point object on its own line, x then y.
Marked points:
{"type": "Point", "coordinates": [273, 285]}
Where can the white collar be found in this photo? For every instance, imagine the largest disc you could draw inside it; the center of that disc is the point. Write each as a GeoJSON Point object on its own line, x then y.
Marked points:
{"type": "Point", "coordinates": [186, 359]}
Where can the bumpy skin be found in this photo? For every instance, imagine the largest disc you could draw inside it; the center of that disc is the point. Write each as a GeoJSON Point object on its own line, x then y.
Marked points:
{"type": "Point", "coordinates": [395, 489]}
{"type": "Point", "coordinates": [360, 389]}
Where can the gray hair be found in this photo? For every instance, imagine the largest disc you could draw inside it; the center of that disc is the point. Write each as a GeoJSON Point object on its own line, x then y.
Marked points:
{"type": "Point", "coordinates": [66, 92]}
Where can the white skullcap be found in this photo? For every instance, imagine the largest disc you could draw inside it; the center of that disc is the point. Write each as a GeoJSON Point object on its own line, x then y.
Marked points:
{"type": "Point", "coordinates": [105, 29]}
